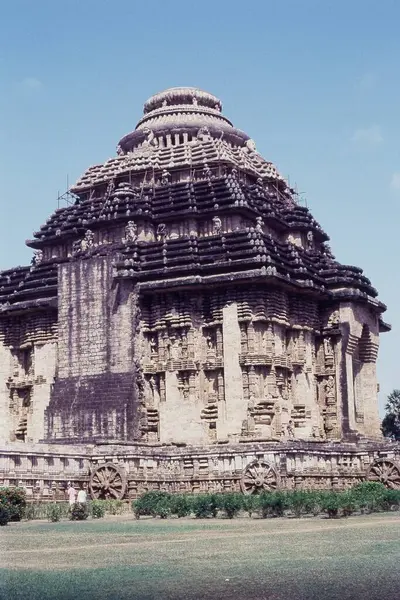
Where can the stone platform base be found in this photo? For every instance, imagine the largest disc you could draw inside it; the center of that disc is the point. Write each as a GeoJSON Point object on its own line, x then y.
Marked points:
{"type": "Point", "coordinates": [126, 471]}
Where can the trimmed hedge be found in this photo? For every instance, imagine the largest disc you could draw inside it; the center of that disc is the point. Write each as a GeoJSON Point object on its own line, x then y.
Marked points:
{"type": "Point", "coordinates": [364, 497]}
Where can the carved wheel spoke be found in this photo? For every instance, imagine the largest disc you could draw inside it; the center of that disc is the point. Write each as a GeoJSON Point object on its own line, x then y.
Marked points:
{"type": "Point", "coordinates": [258, 476]}
{"type": "Point", "coordinates": [108, 481]}
{"type": "Point", "coordinates": [385, 471]}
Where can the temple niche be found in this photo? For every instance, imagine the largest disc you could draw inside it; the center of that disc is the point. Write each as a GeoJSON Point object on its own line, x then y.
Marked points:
{"type": "Point", "coordinates": [186, 297]}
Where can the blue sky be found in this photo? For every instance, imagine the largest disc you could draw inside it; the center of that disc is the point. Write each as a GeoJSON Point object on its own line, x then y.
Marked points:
{"type": "Point", "coordinates": [316, 83]}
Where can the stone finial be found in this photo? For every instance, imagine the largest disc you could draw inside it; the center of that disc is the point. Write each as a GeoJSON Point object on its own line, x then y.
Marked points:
{"type": "Point", "coordinates": [217, 225]}
{"type": "Point", "coordinates": [130, 232]}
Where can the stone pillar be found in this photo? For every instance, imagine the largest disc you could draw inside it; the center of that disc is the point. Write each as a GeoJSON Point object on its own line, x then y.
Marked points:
{"type": "Point", "coordinates": [235, 408]}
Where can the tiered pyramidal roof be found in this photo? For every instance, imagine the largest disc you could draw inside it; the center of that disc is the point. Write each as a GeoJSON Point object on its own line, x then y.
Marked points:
{"type": "Point", "coordinates": [186, 163]}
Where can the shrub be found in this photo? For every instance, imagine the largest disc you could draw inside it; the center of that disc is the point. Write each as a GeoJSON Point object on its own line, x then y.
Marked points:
{"type": "Point", "coordinates": [231, 504]}
{"type": "Point", "coordinates": [5, 514]}
{"type": "Point", "coordinates": [215, 503]}
{"type": "Point", "coordinates": [97, 509]}
{"type": "Point", "coordinates": [54, 512]}
{"type": "Point", "coordinates": [180, 505]}
{"type": "Point", "coordinates": [163, 507]}
{"type": "Point", "coordinates": [15, 499]}
{"type": "Point", "coordinates": [392, 499]}
{"type": "Point", "coordinates": [369, 495]}
{"type": "Point", "coordinates": [146, 505]}
{"type": "Point", "coordinates": [204, 506]}
{"type": "Point", "coordinates": [79, 512]}
{"type": "Point", "coordinates": [113, 507]}
{"type": "Point", "coordinates": [298, 502]}
{"type": "Point", "coordinates": [30, 512]}
{"type": "Point", "coordinates": [331, 504]}
{"type": "Point", "coordinates": [251, 503]}
{"type": "Point", "coordinates": [347, 503]}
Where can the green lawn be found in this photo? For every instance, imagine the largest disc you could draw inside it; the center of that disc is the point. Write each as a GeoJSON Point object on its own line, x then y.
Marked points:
{"type": "Point", "coordinates": [119, 558]}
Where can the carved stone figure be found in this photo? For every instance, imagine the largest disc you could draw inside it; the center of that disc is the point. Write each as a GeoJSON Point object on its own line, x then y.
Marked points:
{"type": "Point", "coordinates": [110, 188]}
{"type": "Point", "coordinates": [88, 241]}
{"type": "Point", "coordinates": [165, 177]}
{"type": "Point", "coordinates": [153, 347]}
{"type": "Point", "coordinates": [334, 319]}
{"type": "Point", "coordinates": [203, 134]}
{"type": "Point", "coordinates": [131, 232]}
{"type": "Point", "coordinates": [290, 429]}
{"type": "Point", "coordinates": [328, 347]}
{"type": "Point", "coordinates": [217, 225]}
{"type": "Point", "coordinates": [150, 140]}
{"type": "Point", "coordinates": [37, 258]}
{"type": "Point", "coordinates": [330, 389]}
{"type": "Point", "coordinates": [161, 232]}
{"type": "Point", "coordinates": [310, 240]}
{"type": "Point", "coordinates": [250, 146]}
{"type": "Point", "coordinates": [207, 171]}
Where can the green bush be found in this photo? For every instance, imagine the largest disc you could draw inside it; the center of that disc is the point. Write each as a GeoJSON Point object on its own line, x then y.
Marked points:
{"type": "Point", "coordinates": [181, 505]}
{"type": "Point", "coordinates": [331, 504]}
{"type": "Point", "coordinates": [251, 503]}
{"type": "Point", "coordinates": [114, 507]}
{"type": "Point", "coordinates": [54, 512]}
{"type": "Point", "coordinates": [205, 505]}
{"type": "Point", "coordinates": [231, 504]}
{"type": "Point", "coordinates": [392, 499]}
{"type": "Point", "coordinates": [163, 507]}
{"type": "Point", "coordinates": [347, 503]}
{"type": "Point", "coordinates": [369, 496]}
{"type": "Point", "coordinates": [5, 514]}
{"type": "Point", "coordinates": [97, 509]}
{"type": "Point", "coordinates": [79, 512]}
{"type": "Point", "coordinates": [215, 503]}
{"type": "Point", "coordinates": [298, 502]}
{"type": "Point", "coordinates": [15, 499]}
{"type": "Point", "coordinates": [146, 505]}
{"type": "Point", "coordinates": [29, 512]}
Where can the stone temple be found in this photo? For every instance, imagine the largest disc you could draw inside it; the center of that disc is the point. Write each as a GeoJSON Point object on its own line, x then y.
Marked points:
{"type": "Point", "coordinates": [184, 325]}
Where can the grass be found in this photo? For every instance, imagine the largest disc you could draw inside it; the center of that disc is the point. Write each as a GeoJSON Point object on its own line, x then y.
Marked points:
{"type": "Point", "coordinates": [120, 558]}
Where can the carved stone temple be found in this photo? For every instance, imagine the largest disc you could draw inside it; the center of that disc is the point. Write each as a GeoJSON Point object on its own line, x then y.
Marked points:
{"type": "Point", "coordinates": [184, 320]}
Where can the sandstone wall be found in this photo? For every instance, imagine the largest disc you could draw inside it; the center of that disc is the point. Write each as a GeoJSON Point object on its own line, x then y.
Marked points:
{"type": "Point", "coordinates": [94, 391]}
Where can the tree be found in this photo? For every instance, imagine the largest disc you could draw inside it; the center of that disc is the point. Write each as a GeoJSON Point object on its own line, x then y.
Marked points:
{"type": "Point", "coordinates": [391, 421]}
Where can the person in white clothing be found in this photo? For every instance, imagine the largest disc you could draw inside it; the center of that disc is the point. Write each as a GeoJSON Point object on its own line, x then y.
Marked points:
{"type": "Point", "coordinates": [71, 493]}
{"type": "Point", "coordinates": [82, 496]}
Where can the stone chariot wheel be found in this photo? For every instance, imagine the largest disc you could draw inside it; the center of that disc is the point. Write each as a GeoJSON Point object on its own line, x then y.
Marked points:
{"type": "Point", "coordinates": [385, 471]}
{"type": "Point", "coordinates": [258, 477]}
{"type": "Point", "coordinates": [108, 481]}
